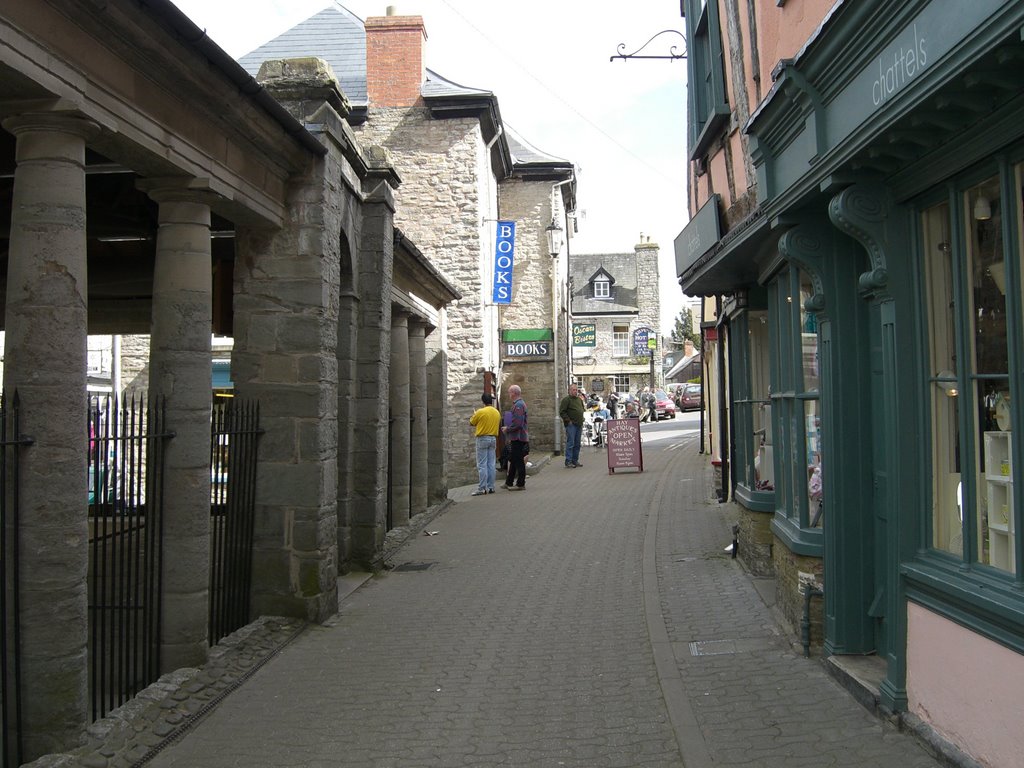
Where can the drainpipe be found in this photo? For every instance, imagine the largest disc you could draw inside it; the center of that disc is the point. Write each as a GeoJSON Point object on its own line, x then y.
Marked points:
{"type": "Point", "coordinates": [805, 623]}
{"type": "Point", "coordinates": [723, 437]}
{"type": "Point", "coordinates": [704, 377]}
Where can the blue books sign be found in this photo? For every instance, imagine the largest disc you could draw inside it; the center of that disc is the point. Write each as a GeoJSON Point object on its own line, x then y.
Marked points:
{"type": "Point", "coordinates": [504, 248]}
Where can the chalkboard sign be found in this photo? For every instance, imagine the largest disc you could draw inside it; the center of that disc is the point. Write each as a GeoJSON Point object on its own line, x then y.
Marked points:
{"type": "Point", "coordinates": [624, 449]}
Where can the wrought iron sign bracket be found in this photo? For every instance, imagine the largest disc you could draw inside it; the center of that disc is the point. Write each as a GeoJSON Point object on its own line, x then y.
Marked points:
{"type": "Point", "coordinates": [673, 54]}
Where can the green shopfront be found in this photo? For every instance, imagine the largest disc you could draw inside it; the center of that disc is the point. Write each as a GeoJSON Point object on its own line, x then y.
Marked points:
{"type": "Point", "coordinates": [876, 349]}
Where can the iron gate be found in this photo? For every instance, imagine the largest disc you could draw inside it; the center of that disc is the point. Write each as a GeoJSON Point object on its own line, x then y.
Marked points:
{"type": "Point", "coordinates": [234, 432]}
{"type": "Point", "coordinates": [126, 450]}
{"type": "Point", "coordinates": [11, 441]}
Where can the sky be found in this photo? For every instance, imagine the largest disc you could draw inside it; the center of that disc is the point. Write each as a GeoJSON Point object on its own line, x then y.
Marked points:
{"type": "Point", "coordinates": [621, 123]}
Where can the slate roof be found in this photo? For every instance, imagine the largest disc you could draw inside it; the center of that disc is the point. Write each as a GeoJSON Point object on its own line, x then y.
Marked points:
{"type": "Point", "coordinates": [621, 266]}
{"type": "Point", "coordinates": [338, 37]}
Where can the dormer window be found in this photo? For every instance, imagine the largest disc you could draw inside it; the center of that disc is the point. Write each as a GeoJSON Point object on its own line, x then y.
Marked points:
{"type": "Point", "coordinates": [601, 284]}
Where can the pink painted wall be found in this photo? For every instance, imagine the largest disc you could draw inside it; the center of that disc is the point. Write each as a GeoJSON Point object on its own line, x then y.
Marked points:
{"type": "Point", "coordinates": [783, 31]}
{"type": "Point", "coordinates": [966, 687]}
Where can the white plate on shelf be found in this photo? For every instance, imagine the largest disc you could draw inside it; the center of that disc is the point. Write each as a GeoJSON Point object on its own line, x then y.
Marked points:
{"type": "Point", "coordinates": [1002, 410]}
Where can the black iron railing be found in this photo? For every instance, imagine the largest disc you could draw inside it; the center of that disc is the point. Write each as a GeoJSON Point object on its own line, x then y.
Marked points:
{"type": "Point", "coordinates": [11, 443]}
{"type": "Point", "coordinates": [126, 450]}
{"type": "Point", "coordinates": [234, 434]}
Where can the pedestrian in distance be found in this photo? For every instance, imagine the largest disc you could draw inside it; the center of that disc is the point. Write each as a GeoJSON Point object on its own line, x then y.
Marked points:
{"type": "Point", "coordinates": [570, 409]}
{"type": "Point", "coordinates": [518, 438]}
{"type": "Point", "coordinates": [486, 419]}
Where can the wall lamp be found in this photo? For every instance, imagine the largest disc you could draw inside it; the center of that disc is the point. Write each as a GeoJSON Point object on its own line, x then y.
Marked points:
{"type": "Point", "coordinates": [946, 380]}
{"type": "Point", "coordinates": [554, 234]}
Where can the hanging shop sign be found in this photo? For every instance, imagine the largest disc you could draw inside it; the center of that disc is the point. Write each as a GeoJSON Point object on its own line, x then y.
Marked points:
{"type": "Point", "coordinates": [699, 236]}
{"type": "Point", "coordinates": [504, 252]}
{"type": "Point", "coordinates": [584, 335]}
{"type": "Point", "coordinates": [641, 339]}
{"type": "Point", "coordinates": [527, 345]}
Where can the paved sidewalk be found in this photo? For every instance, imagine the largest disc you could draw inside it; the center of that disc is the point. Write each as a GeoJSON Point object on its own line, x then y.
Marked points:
{"type": "Point", "coordinates": [592, 620]}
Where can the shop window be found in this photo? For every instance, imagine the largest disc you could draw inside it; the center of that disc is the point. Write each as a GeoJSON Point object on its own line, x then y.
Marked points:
{"type": "Point", "coordinates": [969, 295]}
{"type": "Point", "coordinates": [754, 462]}
{"type": "Point", "coordinates": [796, 410]}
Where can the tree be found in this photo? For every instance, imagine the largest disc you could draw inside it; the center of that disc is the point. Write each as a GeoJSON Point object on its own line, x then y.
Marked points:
{"type": "Point", "coordinates": [684, 329]}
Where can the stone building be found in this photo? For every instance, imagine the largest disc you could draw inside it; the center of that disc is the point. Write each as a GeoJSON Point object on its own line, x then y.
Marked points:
{"type": "Point", "coordinates": [198, 204]}
{"type": "Point", "coordinates": [616, 310]}
{"type": "Point", "coordinates": [462, 172]}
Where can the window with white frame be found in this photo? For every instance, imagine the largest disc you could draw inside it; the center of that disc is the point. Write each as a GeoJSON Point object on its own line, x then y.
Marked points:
{"type": "Point", "coordinates": [602, 289]}
{"type": "Point", "coordinates": [620, 341]}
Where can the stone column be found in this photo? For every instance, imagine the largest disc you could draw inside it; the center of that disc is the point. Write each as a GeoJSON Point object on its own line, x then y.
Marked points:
{"type": "Point", "coordinates": [45, 363]}
{"type": "Point", "coordinates": [418, 407]}
{"type": "Point", "coordinates": [348, 327]}
{"type": "Point", "coordinates": [180, 371]}
{"type": "Point", "coordinates": [437, 413]}
{"type": "Point", "coordinates": [401, 413]}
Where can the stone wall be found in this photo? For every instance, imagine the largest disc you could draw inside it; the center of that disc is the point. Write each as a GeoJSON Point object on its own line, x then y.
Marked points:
{"type": "Point", "coordinates": [447, 193]}
{"type": "Point", "coordinates": [756, 540]}
{"type": "Point", "coordinates": [791, 571]}
{"type": "Point", "coordinates": [530, 205]}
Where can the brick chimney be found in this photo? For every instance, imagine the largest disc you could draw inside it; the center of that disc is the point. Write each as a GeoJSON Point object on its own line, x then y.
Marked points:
{"type": "Point", "coordinates": [394, 60]}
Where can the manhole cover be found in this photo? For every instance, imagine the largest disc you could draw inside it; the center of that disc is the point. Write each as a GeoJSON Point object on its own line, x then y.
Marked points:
{"type": "Point", "coordinates": [412, 567]}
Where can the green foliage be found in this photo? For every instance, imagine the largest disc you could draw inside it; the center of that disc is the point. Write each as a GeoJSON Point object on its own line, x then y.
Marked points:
{"type": "Point", "coordinates": [684, 329]}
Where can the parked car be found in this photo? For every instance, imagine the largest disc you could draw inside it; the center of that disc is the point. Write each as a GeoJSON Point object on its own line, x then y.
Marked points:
{"type": "Point", "coordinates": [689, 397]}
{"type": "Point", "coordinates": [663, 405]}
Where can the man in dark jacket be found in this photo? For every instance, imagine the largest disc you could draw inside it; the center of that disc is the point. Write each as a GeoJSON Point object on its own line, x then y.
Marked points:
{"type": "Point", "coordinates": [518, 439]}
{"type": "Point", "coordinates": [570, 409]}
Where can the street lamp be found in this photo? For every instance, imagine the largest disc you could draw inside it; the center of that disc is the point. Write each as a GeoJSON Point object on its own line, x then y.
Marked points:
{"type": "Point", "coordinates": [554, 233]}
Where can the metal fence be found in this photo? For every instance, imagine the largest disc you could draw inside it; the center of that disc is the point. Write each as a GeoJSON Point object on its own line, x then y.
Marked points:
{"type": "Point", "coordinates": [126, 450]}
{"type": "Point", "coordinates": [127, 438]}
{"type": "Point", "coordinates": [11, 442]}
{"type": "Point", "coordinates": [234, 434]}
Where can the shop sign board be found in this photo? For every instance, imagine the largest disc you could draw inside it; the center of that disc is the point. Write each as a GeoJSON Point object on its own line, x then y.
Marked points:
{"type": "Point", "coordinates": [527, 344]}
{"type": "Point", "coordinates": [623, 437]}
{"type": "Point", "coordinates": [699, 236]}
{"type": "Point", "coordinates": [584, 334]}
{"type": "Point", "coordinates": [641, 340]}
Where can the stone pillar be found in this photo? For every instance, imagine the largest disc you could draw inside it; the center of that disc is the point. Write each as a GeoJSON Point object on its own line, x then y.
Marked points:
{"type": "Point", "coordinates": [418, 406]}
{"type": "Point", "coordinates": [401, 413]}
{"type": "Point", "coordinates": [348, 326]}
{"type": "Point", "coordinates": [374, 271]}
{"type": "Point", "coordinates": [45, 362]}
{"type": "Point", "coordinates": [437, 414]}
{"type": "Point", "coordinates": [180, 370]}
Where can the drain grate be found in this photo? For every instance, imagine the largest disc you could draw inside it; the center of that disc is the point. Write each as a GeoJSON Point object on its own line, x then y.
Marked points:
{"type": "Point", "coordinates": [413, 566]}
{"type": "Point", "coordinates": [725, 647]}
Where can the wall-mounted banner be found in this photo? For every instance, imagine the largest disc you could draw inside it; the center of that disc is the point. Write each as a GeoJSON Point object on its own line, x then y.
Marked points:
{"type": "Point", "coordinates": [584, 334]}
{"type": "Point", "coordinates": [504, 249]}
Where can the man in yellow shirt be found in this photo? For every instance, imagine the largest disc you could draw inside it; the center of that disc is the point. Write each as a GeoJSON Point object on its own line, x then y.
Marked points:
{"type": "Point", "coordinates": [486, 420]}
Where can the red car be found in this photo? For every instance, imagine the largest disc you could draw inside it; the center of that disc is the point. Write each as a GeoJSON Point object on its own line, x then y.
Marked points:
{"type": "Point", "coordinates": [689, 397]}
{"type": "Point", "coordinates": [663, 405]}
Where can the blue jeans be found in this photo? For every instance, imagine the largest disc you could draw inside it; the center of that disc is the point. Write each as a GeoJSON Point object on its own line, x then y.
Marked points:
{"type": "Point", "coordinates": [573, 433]}
{"type": "Point", "coordinates": [485, 461]}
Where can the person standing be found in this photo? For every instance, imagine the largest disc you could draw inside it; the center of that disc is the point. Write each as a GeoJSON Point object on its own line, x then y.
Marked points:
{"type": "Point", "coordinates": [518, 439]}
{"type": "Point", "coordinates": [486, 420]}
{"type": "Point", "coordinates": [570, 409]}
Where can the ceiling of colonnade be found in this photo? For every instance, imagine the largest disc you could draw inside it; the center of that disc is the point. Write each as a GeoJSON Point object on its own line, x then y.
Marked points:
{"type": "Point", "coordinates": [121, 224]}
